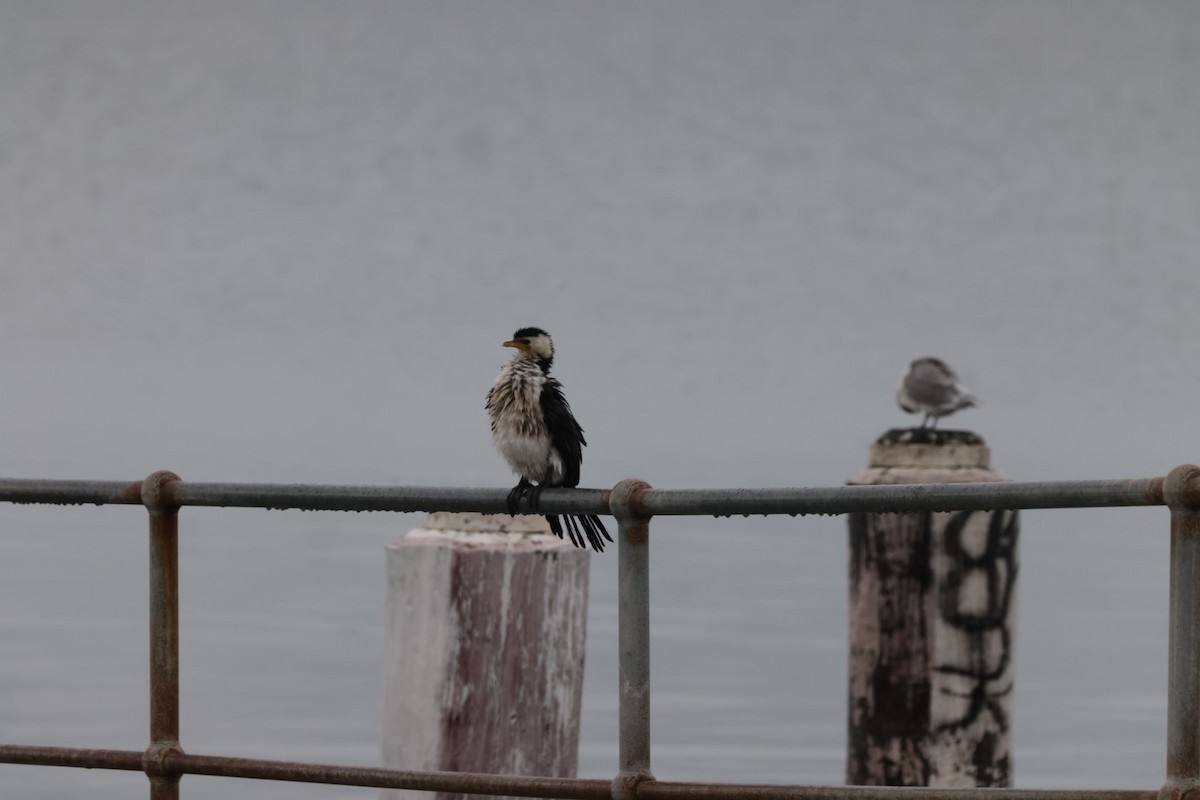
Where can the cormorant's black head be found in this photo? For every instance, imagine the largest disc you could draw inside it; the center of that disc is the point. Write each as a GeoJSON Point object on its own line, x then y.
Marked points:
{"type": "Point", "coordinates": [536, 342]}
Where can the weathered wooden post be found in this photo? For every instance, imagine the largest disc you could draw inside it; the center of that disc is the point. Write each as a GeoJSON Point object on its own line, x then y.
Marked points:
{"type": "Point", "coordinates": [486, 620]}
{"type": "Point", "coordinates": [932, 607]}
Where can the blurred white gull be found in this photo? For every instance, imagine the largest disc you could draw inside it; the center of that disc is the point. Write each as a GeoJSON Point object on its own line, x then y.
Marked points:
{"type": "Point", "coordinates": [932, 388]}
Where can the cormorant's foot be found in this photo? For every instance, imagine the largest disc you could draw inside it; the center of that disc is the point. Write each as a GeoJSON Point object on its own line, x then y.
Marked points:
{"type": "Point", "coordinates": [514, 499]}
{"type": "Point", "coordinates": [518, 493]}
{"type": "Point", "coordinates": [534, 493]}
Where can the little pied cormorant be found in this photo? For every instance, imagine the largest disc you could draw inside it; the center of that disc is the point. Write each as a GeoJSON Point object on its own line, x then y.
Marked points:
{"type": "Point", "coordinates": [535, 431]}
{"type": "Point", "coordinates": [931, 387]}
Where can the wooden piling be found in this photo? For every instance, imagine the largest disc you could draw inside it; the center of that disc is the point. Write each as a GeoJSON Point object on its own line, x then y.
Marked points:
{"type": "Point", "coordinates": [932, 610]}
{"type": "Point", "coordinates": [486, 622]}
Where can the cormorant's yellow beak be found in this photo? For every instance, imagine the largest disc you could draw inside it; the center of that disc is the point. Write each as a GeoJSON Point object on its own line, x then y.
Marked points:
{"type": "Point", "coordinates": [519, 345]}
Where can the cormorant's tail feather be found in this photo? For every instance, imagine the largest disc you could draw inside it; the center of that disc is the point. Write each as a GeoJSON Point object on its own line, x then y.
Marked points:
{"type": "Point", "coordinates": [588, 525]}
{"type": "Point", "coordinates": [573, 527]}
{"type": "Point", "coordinates": [557, 528]}
{"type": "Point", "coordinates": [595, 529]}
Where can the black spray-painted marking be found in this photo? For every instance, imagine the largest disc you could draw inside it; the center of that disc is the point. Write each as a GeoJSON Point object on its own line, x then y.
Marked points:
{"type": "Point", "coordinates": [998, 564]}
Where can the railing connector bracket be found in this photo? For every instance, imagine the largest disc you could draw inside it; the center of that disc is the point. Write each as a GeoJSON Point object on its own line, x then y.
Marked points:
{"type": "Point", "coordinates": [156, 496]}
{"type": "Point", "coordinates": [625, 785]}
{"type": "Point", "coordinates": [154, 761]}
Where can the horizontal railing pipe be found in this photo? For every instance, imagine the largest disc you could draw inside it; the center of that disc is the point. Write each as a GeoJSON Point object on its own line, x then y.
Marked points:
{"type": "Point", "coordinates": [377, 777]}
{"type": "Point", "coordinates": [74, 493]}
{"type": "Point", "coordinates": [904, 497]}
{"type": "Point", "coordinates": [653, 502]}
{"type": "Point", "coordinates": [84, 758]}
{"type": "Point", "coordinates": [344, 498]}
{"type": "Point", "coordinates": [261, 769]}
{"type": "Point", "coordinates": [664, 790]}
{"type": "Point", "coordinates": [520, 786]}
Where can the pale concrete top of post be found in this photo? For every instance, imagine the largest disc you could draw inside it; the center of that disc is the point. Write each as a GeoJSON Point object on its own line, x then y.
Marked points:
{"type": "Point", "coordinates": [920, 455]}
{"type": "Point", "coordinates": [470, 522]}
{"type": "Point", "coordinates": [470, 530]}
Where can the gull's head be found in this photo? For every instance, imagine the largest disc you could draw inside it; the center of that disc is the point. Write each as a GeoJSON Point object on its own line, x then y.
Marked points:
{"type": "Point", "coordinates": [534, 341]}
{"type": "Point", "coordinates": [928, 365]}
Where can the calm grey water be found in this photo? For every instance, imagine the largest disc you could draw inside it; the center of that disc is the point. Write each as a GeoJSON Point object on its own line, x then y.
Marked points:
{"type": "Point", "coordinates": [283, 241]}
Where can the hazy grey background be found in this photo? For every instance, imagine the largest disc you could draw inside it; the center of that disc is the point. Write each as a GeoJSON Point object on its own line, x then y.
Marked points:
{"type": "Point", "coordinates": [283, 241]}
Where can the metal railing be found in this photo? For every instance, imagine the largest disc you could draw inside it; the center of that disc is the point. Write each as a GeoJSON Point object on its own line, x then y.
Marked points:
{"type": "Point", "coordinates": [633, 503]}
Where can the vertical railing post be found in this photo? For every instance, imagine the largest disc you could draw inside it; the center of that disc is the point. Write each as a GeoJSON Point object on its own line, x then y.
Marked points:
{"type": "Point", "coordinates": [164, 636]}
{"type": "Point", "coordinates": [633, 618]}
{"type": "Point", "coordinates": [1181, 490]}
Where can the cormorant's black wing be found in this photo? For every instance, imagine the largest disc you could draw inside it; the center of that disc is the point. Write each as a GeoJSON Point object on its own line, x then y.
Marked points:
{"type": "Point", "coordinates": [565, 434]}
